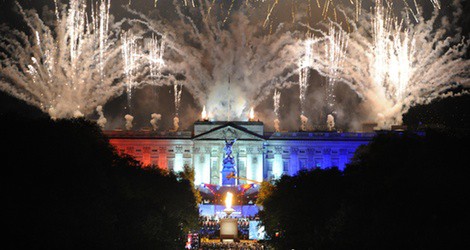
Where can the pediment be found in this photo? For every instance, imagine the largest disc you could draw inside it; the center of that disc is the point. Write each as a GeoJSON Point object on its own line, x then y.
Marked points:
{"type": "Point", "coordinates": [229, 132]}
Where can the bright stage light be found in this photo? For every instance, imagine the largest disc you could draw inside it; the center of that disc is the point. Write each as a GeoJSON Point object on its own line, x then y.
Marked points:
{"type": "Point", "coordinates": [228, 200]}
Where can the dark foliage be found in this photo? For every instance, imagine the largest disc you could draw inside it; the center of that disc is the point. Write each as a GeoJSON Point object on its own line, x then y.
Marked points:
{"type": "Point", "coordinates": [402, 191]}
{"type": "Point", "coordinates": [64, 186]}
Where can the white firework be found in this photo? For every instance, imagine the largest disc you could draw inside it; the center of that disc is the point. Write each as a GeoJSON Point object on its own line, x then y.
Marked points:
{"type": "Point", "coordinates": [394, 64]}
{"type": "Point", "coordinates": [228, 66]}
{"type": "Point", "coordinates": [67, 68]}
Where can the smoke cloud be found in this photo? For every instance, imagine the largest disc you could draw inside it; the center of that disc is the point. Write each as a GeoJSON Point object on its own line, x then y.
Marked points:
{"type": "Point", "coordinates": [101, 120]}
{"type": "Point", "coordinates": [304, 121]}
{"type": "Point", "coordinates": [155, 118]}
{"type": "Point", "coordinates": [176, 124]}
{"type": "Point", "coordinates": [330, 122]}
{"type": "Point", "coordinates": [129, 119]}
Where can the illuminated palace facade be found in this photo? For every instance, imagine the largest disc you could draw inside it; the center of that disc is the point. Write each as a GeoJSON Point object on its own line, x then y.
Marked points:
{"type": "Point", "coordinates": [258, 155]}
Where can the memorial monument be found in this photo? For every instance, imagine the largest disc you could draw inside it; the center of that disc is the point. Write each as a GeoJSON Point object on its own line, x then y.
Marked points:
{"type": "Point", "coordinates": [228, 164]}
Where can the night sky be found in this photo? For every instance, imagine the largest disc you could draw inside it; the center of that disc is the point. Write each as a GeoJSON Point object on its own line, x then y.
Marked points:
{"type": "Point", "coordinates": [452, 112]}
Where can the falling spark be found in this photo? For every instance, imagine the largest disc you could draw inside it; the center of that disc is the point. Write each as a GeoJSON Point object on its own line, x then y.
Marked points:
{"type": "Point", "coordinates": [69, 66]}
{"type": "Point", "coordinates": [326, 7]}
{"type": "Point", "coordinates": [201, 53]}
{"type": "Point", "coordinates": [277, 105]}
{"type": "Point", "coordinates": [277, 102]}
{"type": "Point", "coordinates": [137, 57]}
{"type": "Point", "coordinates": [178, 89]}
{"type": "Point", "coordinates": [304, 67]}
{"type": "Point", "coordinates": [394, 65]}
{"type": "Point", "coordinates": [335, 49]}
{"type": "Point", "coordinates": [129, 54]}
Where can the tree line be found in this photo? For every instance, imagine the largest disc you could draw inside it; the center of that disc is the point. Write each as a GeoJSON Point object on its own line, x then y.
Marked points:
{"type": "Point", "coordinates": [65, 187]}
{"type": "Point", "coordinates": [402, 191]}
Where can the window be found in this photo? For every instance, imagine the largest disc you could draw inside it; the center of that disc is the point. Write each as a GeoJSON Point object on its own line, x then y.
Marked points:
{"type": "Point", "coordinates": [302, 164]}
{"type": "Point", "coordinates": [171, 164]}
{"type": "Point", "coordinates": [269, 169]}
{"type": "Point", "coordinates": [285, 166]}
{"type": "Point", "coordinates": [270, 166]}
{"type": "Point", "coordinates": [335, 162]}
{"type": "Point", "coordinates": [254, 160]}
{"type": "Point", "coordinates": [318, 162]}
{"type": "Point", "coordinates": [241, 171]}
{"type": "Point", "coordinates": [215, 173]}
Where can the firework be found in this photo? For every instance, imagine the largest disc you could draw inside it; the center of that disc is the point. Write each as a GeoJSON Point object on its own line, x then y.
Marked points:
{"type": "Point", "coordinates": [227, 67]}
{"type": "Point", "coordinates": [143, 60]}
{"type": "Point", "coordinates": [68, 68]}
{"type": "Point", "coordinates": [327, 7]}
{"type": "Point", "coordinates": [304, 66]}
{"type": "Point", "coordinates": [394, 64]}
{"type": "Point", "coordinates": [277, 105]}
{"type": "Point", "coordinates": [335, 50]}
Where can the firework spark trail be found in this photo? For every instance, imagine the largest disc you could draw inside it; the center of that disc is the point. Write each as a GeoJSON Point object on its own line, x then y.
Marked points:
{"type": "Point", "coordinates": [66, 69]}
{"type": "Point", "coordinates": [335, 51]}
{"type": "Point", "coordinates": [277, 105]}
{"type": "Point", "coordinates": [277, 102]}
{"type": "Point", "coordinates": [324, 53]}
{"type": "Point", "coordinates": [155, 50]}
{"type": "Point", "coordinates": [178, 89]}
{"type": "Point", "coordinates": [202, 54]}
{"type": "Point", "coordinates": [326, 6]}
{"type": "Point", "coordinates": [143, 60]}
{"type": "Point", "coordinates": [130, 50]}
{"type": "Point", "coordinates": [304, 67]}
{"type": "Point", "coordinates": [394, 65]}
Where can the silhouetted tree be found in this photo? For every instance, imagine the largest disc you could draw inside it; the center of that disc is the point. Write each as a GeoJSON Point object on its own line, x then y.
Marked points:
{"type": "Point", "coordinates": [301, 211]}
{"type": "Point", "coordinates": [402, 191]}
{"type": "Point", "coordinates": [265, 190]}
{"type": "Point", "coordinates": [408, 191]}
{"type": "Point", "coordinates": [64, 186]}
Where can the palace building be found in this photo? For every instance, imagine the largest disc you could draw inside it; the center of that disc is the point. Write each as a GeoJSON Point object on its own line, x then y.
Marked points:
{"type": "Point", "coordinates": [243, 150]}
{"type": "Point", "coordinates": [258, 155]}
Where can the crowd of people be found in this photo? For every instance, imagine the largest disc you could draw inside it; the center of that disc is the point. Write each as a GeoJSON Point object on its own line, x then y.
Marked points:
{"type": "Point", "coordinates": [209, 227]}
{"type": "Point", "coordinates": [232, 246]}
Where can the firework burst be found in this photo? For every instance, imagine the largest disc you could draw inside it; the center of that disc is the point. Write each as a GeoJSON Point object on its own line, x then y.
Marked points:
{"type": "Point", "coordinates": [68, 68]}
